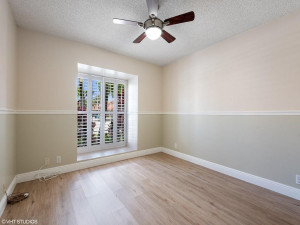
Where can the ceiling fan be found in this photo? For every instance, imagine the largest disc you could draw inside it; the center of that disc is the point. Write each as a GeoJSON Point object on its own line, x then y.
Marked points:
{"type": "Point", "coordinates": [154, 27]}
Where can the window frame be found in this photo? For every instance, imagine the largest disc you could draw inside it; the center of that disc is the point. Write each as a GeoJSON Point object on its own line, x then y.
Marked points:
{"type": "Point", "coordinates": [89, 112]}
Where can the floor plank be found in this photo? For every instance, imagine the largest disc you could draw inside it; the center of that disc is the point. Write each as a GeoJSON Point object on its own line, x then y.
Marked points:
{"type": "Point", "coordinates": [153, 189]}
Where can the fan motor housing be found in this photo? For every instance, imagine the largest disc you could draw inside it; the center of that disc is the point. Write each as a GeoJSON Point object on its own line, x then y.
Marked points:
{"type": "Point", "coordinates": [153, 22]}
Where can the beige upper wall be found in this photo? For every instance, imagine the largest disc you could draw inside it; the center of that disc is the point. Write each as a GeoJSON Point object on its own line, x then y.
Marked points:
{"type": "Point", "coordinates": [7, 57]}
{"type": "Point", "coordinates": [255, 71]}
{"type": "Point", "coordinates": [47, 70]}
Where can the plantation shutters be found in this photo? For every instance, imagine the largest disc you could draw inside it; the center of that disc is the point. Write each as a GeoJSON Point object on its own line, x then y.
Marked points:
{"type": "Point", "coordinates": [82, 89]}
{"type": "Point", "coordinates": [101, 118]}
{"type": "Point", "coordinates": [121, 113]}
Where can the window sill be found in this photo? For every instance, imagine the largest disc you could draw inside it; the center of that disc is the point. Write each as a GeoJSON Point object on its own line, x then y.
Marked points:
{"type": "Point", "coordinates": [102, 153]}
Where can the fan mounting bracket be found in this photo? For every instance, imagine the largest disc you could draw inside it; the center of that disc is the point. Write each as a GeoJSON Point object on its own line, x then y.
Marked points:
{"type": "Point", "coordinates": [153, 22]}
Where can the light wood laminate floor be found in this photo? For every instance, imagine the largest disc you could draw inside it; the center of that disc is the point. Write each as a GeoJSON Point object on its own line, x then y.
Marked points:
{"type": "Point", "coordinates": [154, 189]}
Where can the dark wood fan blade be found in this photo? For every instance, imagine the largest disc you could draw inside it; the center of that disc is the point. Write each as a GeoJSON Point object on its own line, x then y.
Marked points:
{"type": "Point", "coordinates": [186, 17]}
{"type": "Point", "coordinates": [127, 22]}
{"type": "Point", "coordinates": [168, 37]}
{"type": "Point", "coordinates": [140, 38]}
{"type": "Point", "coordinates": [152, 7]}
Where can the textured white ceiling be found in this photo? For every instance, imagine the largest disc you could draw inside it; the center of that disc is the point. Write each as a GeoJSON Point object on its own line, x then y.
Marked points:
{"type": "Point", "coordinates": [90, 21]}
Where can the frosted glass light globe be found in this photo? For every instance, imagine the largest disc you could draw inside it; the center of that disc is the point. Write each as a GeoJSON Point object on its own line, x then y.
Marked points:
{"type": "Point", "coordinates": [153, 33]}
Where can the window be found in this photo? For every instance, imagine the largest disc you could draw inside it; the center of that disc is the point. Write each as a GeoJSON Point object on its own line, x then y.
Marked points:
{"type": "Point", "coordinates": [101, 113]}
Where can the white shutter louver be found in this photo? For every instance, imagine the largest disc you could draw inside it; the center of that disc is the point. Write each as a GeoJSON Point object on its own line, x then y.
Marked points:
{"type": "Point", "coordinates": [96, 95]}
{"type": "Point", "coordinates": [96, 129]}
{"type": "Point", "coordinates": [121, 128]}
{"type": "Point", "coordinates": [109, 96]}
{"type": "Point", "coordinates": [82, 89]}
{"type": "Point", "coordinates": [121, 97]}
{"type": "Point", "coordinates": [81, 130]}
{"type": "Point", "coordinates": [109, 125]}
{"type": "Point", "coordinates": [82, 123]}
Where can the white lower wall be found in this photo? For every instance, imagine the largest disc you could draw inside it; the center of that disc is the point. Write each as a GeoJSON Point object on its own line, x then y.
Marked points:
{"type": "Point", "coordinates": [259, 181]}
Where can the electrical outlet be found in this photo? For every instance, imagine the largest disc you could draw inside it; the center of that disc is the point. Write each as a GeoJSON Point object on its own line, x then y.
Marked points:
{"type": "Point", "coordinates": [58, 159]}
{"type": "Point", "coordinates": [47, 161]}
{"type": "Point", "coordinates": [297, 179]}
{"type": "Point", "coordinates": [175, 145]}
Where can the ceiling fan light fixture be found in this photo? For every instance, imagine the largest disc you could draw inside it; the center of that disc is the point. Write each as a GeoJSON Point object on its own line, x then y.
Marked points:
{"type": "Point", "coordinates": [153, 33]}
{"type": "Point", "coordinates": [154, 27]}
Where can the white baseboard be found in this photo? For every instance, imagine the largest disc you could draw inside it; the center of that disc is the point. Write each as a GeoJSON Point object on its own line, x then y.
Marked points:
{"type": "Point", "coordinates": [87, 164]}
{"type": "Point", "coordinates": [259, 181]}
{"type": "Point", "coordinates": [9, 190]}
